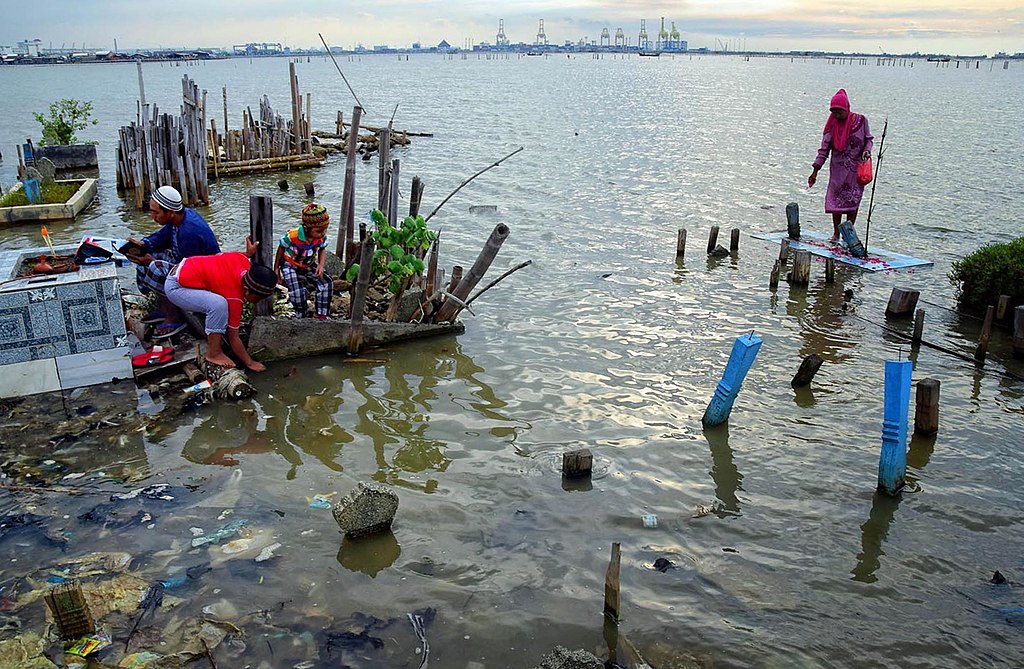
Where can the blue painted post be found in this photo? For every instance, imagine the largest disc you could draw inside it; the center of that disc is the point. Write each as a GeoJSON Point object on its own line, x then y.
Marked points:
{"type": "Point", "coordinates": [892, 465]}
{"type": "Point", "coordinates": [32, 191]}
{"type": "Point", "coordinates": [744, 352]}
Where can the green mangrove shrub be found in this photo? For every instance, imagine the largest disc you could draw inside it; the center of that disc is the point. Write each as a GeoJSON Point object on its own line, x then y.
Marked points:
{"type": "Point", "coordinates": [993, 270]}
{"type": "Point", "coordinates": [66, 117]}
{"type": "Point", "coordinates": [397, 257]}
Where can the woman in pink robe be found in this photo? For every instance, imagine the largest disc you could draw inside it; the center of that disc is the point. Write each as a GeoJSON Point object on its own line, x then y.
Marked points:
{"type": "Point", "coordinates": [849, 140]}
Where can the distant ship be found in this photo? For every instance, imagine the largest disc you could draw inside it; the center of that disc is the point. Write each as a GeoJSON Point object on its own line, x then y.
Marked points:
{"type": "Point", "coordinates": [938, 60]}
{"type": "Point", "coordinates": [534, 53]}
{"type": "Point", "coordinates": [655, 54]}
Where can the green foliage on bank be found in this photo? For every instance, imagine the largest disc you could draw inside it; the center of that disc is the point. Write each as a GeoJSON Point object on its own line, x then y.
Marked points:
{"type": "Point", "coordinates": [991, 271]}
{"type": "Point", "coordinates": [53, 193]}
{"type": "Point", "coordinates": [66, 117]}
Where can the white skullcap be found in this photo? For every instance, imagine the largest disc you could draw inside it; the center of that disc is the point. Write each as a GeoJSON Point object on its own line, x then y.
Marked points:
{"type": "Point", "coordinates": [169, 198]}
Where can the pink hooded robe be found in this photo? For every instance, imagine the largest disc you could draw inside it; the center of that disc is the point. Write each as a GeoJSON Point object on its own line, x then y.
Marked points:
{"type": "Point", "coordinates": [847, 142]}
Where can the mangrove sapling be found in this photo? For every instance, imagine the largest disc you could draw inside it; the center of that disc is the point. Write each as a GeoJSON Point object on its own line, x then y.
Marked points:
{"type": "Point", "coordinates": [66, 117]}
{"type": "Point", "coordinates": [397, 258]}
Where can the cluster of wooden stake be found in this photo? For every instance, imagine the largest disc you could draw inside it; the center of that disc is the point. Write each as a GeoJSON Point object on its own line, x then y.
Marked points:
{"type": "Point", "coordinates": [165, 150]}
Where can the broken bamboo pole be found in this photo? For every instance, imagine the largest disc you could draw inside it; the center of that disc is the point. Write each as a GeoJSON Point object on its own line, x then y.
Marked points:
{"type": "Point", "coordinates": [451, 308]}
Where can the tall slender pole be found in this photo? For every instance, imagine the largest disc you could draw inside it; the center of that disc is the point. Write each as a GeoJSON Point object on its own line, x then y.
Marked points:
{"type": "Point", "coordinates": [874, 182]}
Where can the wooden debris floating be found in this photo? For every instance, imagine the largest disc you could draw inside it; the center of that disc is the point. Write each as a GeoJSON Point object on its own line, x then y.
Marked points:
{"type": "Point", "coordinates": [165, 150]}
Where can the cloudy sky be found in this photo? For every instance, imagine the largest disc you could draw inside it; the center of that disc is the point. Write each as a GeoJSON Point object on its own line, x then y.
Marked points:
{"type": "Point", "coordinates": [946, 26]}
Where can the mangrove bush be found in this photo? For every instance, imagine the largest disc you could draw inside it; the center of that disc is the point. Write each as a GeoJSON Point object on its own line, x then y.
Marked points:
{"type": "Point", "coordinates": [66, 117]}
{"type": "Point", "coordinates": [993, 270]}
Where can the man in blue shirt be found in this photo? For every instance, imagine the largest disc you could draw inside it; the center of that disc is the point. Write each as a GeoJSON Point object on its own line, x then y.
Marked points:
{"type": "Point", "coordinates": [183, 234]}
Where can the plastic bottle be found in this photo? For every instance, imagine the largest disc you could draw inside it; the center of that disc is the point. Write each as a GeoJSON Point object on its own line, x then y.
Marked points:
{"type": "Point", "coordinates": [199, 387]}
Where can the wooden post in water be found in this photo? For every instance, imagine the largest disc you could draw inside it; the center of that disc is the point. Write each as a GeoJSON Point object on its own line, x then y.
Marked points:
{"type": "Point", "coordinates": [1002, 306]}
{"type": "Point", "coordinates": [918, 327]}
{"type": "Point", "coordinates": [282, 184]}
{"type": "Point", "coordinates": [808, 368]}
{"type": "Point", "coordinates": [450, 309]}
{"type": "Point", "coordinates": [830, 270]}
{"type": "Point", "coordinates": [986, 333]}
{"type": "Point", "coordinates": [773, 278]}
{"type": "Point", "coordinates": [744, 352]}
{"type": "Point", "coordinates": [339, 124]}
{"type": "Point", "coordinates": [926, 413]}
{"type": "Point", "coordinates": [142, 85]}
{"type": "Point", "coordinates": [578, 463]}
{"type": "Point", "coordinates": [800, 275]}
{"type": "Point", "coordinates": [355, 339]}
{"type": "Point", "coordinates": [261, 231]}
{"type": "Point", "coordinates": [415, 196]}
{"type": "Point", "coordinates": [611, 583]}
{"type": "Point", "coordinates": [713, 238]}
{"type": "Point", "coordinates": [310, 188]}
{"type": "Point", "coordinates": [892, 464]}
{"type": "Point", "coordinates": [348, 198]}
{"type": "Point", "coordinates": [1018, 331]}
{"type": "Point", "coordinates": [456, 278]}
{"type": "Point", "coordinates": [902, 302]}
{"type": "Point", "coordinates": [734, 240]}
{"type": "Point", "coordinates": [392, 211]}
{"type": "Point", "coordinates": [384, 162]}
{"type": "Point", "coordinates": [793, 220]}
{"type": "Point", "coordinates": [784, 252]}
{"type": "Point", "coordinates": [681, 243]}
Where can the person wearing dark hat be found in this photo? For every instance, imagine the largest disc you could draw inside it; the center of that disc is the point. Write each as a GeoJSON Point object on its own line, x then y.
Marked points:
{"type": "Point", "coordinates": [183, 234]}
{"type": "Point", "coordinates": [300, 261]}
{"type": "Point", "coordinates": [217, 286]}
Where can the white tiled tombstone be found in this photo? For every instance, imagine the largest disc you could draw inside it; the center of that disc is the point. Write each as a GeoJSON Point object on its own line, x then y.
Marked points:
{"type": "Point", "coordinates": [60, 331]}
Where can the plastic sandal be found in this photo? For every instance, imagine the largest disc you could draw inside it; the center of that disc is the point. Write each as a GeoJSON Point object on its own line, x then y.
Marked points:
{"type": "Point", "coordinates": [167, 330]}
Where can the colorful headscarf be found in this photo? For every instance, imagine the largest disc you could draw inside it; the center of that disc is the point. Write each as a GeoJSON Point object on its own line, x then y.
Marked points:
{"type": "Point", "coordinates": [841, 129]}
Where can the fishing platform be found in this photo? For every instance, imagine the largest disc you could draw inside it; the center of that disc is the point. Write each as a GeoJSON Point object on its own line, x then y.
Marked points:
{"type": "Point", "coordinates": [818, 244]}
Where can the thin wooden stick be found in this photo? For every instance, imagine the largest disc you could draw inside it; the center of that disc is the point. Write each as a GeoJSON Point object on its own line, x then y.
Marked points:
{"type": "Point", "coordinates": [66, 491]}
{"type": "Point", "coordinates": [493, 283]}
{"type": "Point", "coordinates": [340, 72]}
{"type": "Point", "coordinates": [874, 182]}
{"type": "Point", "coordinates": [452, 194]}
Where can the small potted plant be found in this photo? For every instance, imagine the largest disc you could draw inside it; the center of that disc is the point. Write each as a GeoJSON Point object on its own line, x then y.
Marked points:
{"type": "Point", "coordinates": [60, 143]}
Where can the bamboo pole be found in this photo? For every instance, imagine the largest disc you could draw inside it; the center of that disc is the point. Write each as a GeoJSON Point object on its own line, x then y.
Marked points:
{"type": "Point", "coordinates": [451, 308]}
{"type": "Point", "coordinates": [355, 341]}
{"type": "Point", "coordinates": [346, 232]}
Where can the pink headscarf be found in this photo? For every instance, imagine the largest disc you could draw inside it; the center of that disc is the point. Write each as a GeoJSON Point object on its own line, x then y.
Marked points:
{"type": "Point", "coordinates": [841, 129]}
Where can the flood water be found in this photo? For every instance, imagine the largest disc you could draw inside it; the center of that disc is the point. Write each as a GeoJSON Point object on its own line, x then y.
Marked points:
{"type": "Point", "coordinates": [604, 342]}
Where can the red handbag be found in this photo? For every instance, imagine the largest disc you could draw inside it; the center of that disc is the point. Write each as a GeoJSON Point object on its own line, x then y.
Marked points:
{"type": "Point", "coordinates": [864, 175]}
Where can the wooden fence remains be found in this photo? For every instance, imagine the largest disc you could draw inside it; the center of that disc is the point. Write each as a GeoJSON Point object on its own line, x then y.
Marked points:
{"type": "Point", "coordinates": [266, 142]}
{"type": "Point", "coordinates": [165, 150]}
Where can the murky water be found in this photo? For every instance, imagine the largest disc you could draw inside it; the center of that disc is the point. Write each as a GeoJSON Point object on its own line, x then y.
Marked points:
{"type": "Point", "coordinates": [605, 342]}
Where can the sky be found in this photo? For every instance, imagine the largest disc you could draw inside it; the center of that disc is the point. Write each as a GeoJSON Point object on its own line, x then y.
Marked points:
{"type": "Point", "coordinates": [966, 27]}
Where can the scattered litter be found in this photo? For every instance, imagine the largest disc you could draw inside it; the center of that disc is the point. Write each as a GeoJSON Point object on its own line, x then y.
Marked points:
{"type": "Point", "coordinates": [267, 553]}
{"type": "Point", "coordinates": [72, 477]}
{"type": "Point", "coordinates": [89, 644]}
{"type": "Point", "coordinates": [650, 520]}
{"type": "Point", "coordinates": [702, 510]}
{"type": "Point", "coordinates": [225, 513]}
{"type": "Point", "coordinates": [229, 530]}
{"type": "Point", "coordinates": [320, 501]}
{"type": "Point", "coordinates": [196, 531]}
{"type": "Point", "coordinates": [143, 660]}
{"type": "Point", "coordinates": [157, 491]}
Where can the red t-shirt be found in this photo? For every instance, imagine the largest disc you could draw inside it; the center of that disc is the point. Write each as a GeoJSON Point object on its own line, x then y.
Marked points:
{"type": "Point", "coordinates": [220, 274]}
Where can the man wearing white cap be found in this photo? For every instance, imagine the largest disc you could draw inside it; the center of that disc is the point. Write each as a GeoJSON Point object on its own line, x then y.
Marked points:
{"type": "Point", "coordinates": [183, 234]}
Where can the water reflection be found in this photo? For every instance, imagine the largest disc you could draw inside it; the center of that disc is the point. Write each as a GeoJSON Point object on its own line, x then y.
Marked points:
{"type": "Point", "coordinates": [371, 554]}
{"type": "Point", "coordinates": [727, 477]}
{"type": "Point", "coordinates": [318, 409]}
{"type": "Point", "coordinates": [820, 310]}
{"type": "Point", "coordinates": [873, 535]}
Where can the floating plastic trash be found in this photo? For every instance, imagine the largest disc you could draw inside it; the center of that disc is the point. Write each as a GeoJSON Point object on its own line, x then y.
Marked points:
{"type": "Point", "coordinates": [650, 520]}
{"type": "Point", "coordinates": [229, 530]}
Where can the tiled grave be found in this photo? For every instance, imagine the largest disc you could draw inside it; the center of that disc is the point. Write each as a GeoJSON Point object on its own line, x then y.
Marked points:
{"type": "Point", "coordinates": [60, 331]}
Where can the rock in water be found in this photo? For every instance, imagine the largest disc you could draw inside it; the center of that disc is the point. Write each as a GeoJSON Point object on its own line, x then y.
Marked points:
{"type": "Point", "coordinates": [563, 658]}
{"type": "Point", "coordinates": [369, 508]}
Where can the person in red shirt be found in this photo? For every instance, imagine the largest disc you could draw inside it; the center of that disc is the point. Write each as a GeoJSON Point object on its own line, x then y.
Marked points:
{"type": "Point", "coordinates": [216, 286]}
